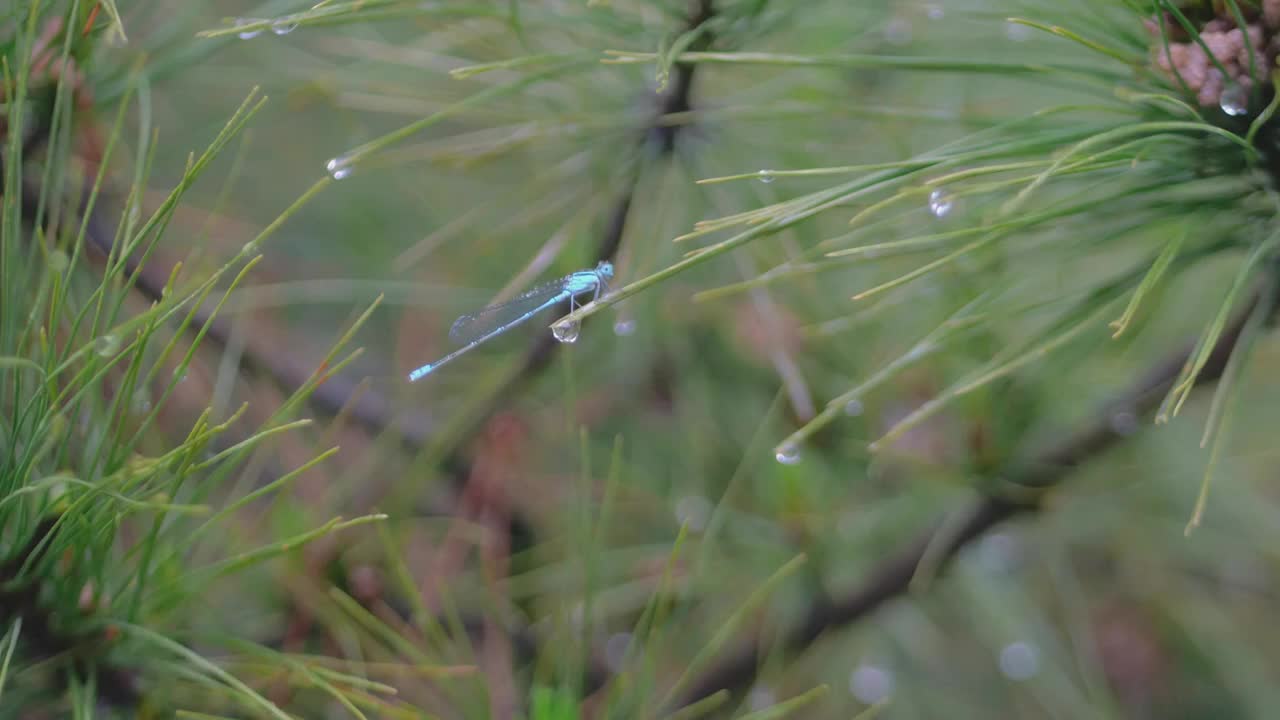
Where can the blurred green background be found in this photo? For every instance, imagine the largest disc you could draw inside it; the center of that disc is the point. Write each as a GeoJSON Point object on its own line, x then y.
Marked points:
{"type": "Point", "coordinates": [615, 518]}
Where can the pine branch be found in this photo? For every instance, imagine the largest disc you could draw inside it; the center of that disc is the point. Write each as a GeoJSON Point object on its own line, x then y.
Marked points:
{"type": "Point", "coordinates": [1043, 471]}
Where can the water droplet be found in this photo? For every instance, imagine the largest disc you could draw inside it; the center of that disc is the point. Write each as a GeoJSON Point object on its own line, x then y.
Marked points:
{"type": "Point", "coordinates": [693, 511]}
{"type": "Point", "coordinates": [180, 374]}
{"type": "Point", "coordinates": [1124, 423]}
{"type": "Point", "coordinates": [934, 12]}
{"type": "Point", "coordinates": [1019, 661]}
{"type": "Point", "coordinates": [339, 167]}
{"type": "Point", "coordinates": [58, 261]}
{"type": "Point", "coordinates": [107, 345]}
{"type": "Point", "coordinates": [1235, 100]}
{"type": "Point", "coordinates": [615, 650]}
{"type": "Point", "coordinates": [788, 454]}
{"type": "Point", "coordinates": [853, 408]}
{"type": "Point", "coordinates": [566, 332]}
{"type": "Point", "coordinates": [250, 248]}
{"type": "Point", "coordinates": [283, 28]}
{"type": "Point", "coordinates": [941, 203]}
{"type": "Point", "coordinates": [870, 684]}
{"type": "Point", "coordinates": [765, 176]}
{"type": "Point", "coordinates": [623, 328]}
{"type": "Point", "coordinates": [248, 34]}
{"type": "Point", "coordinates": [1017, 32]}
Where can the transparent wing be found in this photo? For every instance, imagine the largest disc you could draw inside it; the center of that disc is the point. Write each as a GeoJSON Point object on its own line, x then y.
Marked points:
{"type": "Point", "coordinates": [513, 312]}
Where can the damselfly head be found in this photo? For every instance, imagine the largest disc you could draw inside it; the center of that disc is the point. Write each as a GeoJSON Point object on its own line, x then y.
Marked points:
{"type": "Point", "coordinates": [605, 269]}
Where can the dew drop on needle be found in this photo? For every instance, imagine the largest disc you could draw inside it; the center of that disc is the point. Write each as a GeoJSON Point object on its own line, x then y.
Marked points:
{"type": "Point", "coordinates": [339, 167]}
{"type": "Point", "coordinates": [248, 34]}
{"type": "Point", "coordinates": [788, 455]}
{"type": "Point", "coordinates": [941, 203]}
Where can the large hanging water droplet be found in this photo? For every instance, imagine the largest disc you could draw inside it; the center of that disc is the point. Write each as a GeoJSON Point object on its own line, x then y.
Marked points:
{"type": "Point", "coordinates": [1235, 100]}
{"type": "Point", "coordinates": [566, 332]}
{"type": "Point", "coordinates": [248, 34]}
{"type": "Point", "coordinates": [765, 176]}
{"type": "Point", "coordinates": [107, 345]}
{"type": "Point", "coordinates": [941, 203]}
{"type": "Point", "coordinates": [339, 167]}
{"type": "Point", "coordinates": [788, 454]}
{"type": "Point", "coordinates": [283, 28]}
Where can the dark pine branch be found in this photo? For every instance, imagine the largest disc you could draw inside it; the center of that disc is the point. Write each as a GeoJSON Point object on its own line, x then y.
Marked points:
{"type": "Point", "coordinates": [1047, 469]}
{"type": "Point", "coordinates": [661, 136]}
